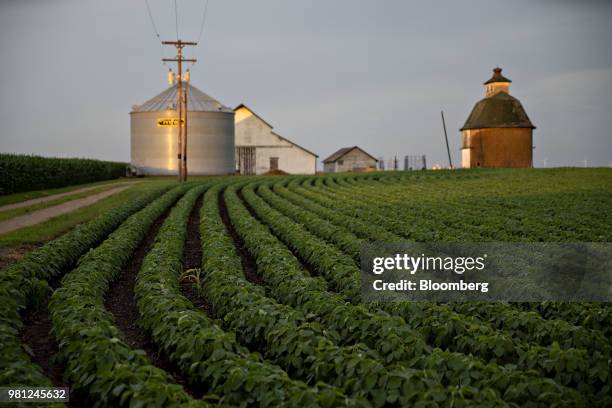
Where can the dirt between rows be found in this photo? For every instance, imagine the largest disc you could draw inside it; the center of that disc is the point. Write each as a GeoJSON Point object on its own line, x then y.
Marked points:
{"type": "Point", "coordinates": [249, 266]}
{"type": "Point", "coordinates": [121, 302]}
{"type": "Point", "coordinates": [308, 269]}
{"type": "Point", "coordinates": [12, 254]}
{"type": "Point", "coordinates": [193, 259]}
{"type": "Point", "coordinates": [41, 345]}
{"type": "Point", "coordinates": [39, 341]}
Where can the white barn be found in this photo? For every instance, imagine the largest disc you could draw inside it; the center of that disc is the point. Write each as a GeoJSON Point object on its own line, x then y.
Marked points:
{"type": "Point", "coordinates": [260, 150]}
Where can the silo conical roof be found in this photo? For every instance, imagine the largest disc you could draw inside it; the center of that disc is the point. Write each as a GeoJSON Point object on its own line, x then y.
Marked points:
{"type": "Point", "coordinates": [197, 101]}
{"type": "Point", "coordinates": [497, 77]}
{"type": "Point", "coordinates": [498, 111]}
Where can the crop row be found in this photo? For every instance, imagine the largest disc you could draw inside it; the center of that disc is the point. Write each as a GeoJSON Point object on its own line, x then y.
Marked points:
{"type": "Point", "coordinates": [428, 227]}
{"type": "Point", "coordinates": [100, 367]}
{"type": "Point", "coordinates": [316, 201]}
{"type": "Point", "coordinates": [518, 209]}
{"type": "Point", "coordinates": [500, 216]}
{"type": "Point", "coordinates": [594, 316]}
{"type": "Point", "coordinates": [420, 222]}
{"type": "Point", "coordinates": [532, 211]}
{"type": "Point", "coordinates": [528, 326]}
{"type": "Point", "coordinates": [387, 335]}
{"type": "Point", "coordinates": [24, 283]}
{"type": "Point", "coordinates": [208, 355]}
{"type": "Point", "coordinates": [344, 239]}
{"type": "Point", "coordinates": [370, 232]}
{"type": "Point", "coordinates": [303, 347]}
{"type": "Point", "coordinates": [572, 365]}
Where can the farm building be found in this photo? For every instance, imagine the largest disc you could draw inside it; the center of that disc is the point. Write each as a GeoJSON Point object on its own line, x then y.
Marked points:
{"type": "Point", "coordinates": [260, 150]}
{"type": "Point", "coordinates": [350, 159]}
{"type": "Point", "coordinates": [498, 132]}
{"type": "Point", "coordinates": [210, 127]}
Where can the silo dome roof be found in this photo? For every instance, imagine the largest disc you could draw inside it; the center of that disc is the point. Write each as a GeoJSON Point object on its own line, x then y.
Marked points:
{"type": "Point", "coordinates": [197, 101]}
{"type": "Point", "coordinates": [498, 111]}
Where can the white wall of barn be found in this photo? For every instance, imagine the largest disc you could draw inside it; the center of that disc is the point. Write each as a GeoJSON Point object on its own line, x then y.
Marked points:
{"type": "Point", "coordinates": [250, 130]}
{"type": "Point", "coordinates": [291, 159]}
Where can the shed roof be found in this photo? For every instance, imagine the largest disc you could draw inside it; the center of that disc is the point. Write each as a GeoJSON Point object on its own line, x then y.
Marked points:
{"type": "Point", "coordinates": [497, 77]}
{"type": "Point", "coordinates": [498, 111]}
{"type": "Point", "coordinates": [341, 152]}
{"type": "Point", "coordinates": [197, 101]}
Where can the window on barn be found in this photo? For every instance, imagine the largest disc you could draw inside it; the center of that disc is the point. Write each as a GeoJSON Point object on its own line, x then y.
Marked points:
{"type": "Point", "coordinates": [340, 162]}
{"type": "Point", "coordinates": [273, 163]}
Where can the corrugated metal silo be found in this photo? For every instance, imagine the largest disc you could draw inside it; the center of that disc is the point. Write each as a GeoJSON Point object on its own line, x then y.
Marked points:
{"type": "Point", "coordinates": [210, 127]}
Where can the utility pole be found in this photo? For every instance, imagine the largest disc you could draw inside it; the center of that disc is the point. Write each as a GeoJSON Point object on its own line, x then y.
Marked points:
{"type": "Point", "coordinates": [450, 162]}
{"type": "Point", "coordinates": [182, 147]}
{"type": "Point", "coordinates": [185, 135]}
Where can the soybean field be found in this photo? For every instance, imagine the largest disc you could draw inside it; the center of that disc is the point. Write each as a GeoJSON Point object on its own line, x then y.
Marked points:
{"type": "Point", "coordinates": [245, 291]}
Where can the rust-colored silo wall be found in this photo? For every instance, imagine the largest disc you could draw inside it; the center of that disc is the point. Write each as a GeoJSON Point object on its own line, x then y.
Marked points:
{"type": "Point", "coordinates": [497, 147]}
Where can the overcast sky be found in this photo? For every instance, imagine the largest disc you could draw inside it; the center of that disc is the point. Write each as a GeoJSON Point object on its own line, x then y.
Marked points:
{"type": "Point", "coordinates": [324, 73]}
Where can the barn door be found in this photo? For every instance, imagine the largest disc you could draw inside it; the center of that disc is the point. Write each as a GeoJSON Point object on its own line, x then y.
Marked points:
{"type": "Point", "coordinates": [273, 163]}
{"type": "Point", "coordinates": [245, 160]}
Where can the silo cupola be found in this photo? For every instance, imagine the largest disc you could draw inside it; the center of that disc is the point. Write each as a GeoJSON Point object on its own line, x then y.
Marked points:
{"type": "Point", "coordinates": [497, 83]}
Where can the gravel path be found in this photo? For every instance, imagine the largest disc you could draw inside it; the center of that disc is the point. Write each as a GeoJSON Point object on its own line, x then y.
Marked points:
{"type": "Point", "coordinates": [51, 197]}
{"type": "Point", "coordinates": [39, 216]}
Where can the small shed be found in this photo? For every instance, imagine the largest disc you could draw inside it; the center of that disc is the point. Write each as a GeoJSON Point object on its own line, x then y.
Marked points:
{"type": "Point", "coordinates": [260, 150]}
{"type": "Point", "coordinates": [350, 159]}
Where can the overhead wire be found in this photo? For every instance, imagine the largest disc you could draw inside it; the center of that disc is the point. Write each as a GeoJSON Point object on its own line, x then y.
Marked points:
{"type": "Point", "coordinates": [202, 24]}
{"type": "Point", "coordinates": [155, 30]}
{"type": "Point", "coordinates": [152, 21]}
{"type": "Point", "coordinates": [203, 21]}
{"type": "Point", "coordinates": [176, 19]}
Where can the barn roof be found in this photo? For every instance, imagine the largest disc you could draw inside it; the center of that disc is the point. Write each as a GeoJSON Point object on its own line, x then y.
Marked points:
{"type": "Point", "coordinates": [295, 144]}
{"type": "Point", "coordinates": [341, 152]}
{"type": "Point", "coordinates": [242, 105]}
{"type": "Point", "coordinates": [497, 77]}
{"type": "Point", "coordinates": [197, 101]}
{"type": "Point", "coordinates": [498, 111]}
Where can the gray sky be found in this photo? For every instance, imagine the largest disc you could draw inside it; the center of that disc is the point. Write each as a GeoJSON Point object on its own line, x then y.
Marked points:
{"type": "Point", "coordinates": [325, 73]}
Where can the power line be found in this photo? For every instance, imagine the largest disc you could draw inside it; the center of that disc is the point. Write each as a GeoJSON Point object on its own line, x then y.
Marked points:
{"type": "Point", "coordinates": [176, 19]}
{"type": "Point", "coordinates": [154, 27]}
{"type": "Point", "coordinates": [152, 21]}
{"type": "Point", "coordinates": [203, 21]}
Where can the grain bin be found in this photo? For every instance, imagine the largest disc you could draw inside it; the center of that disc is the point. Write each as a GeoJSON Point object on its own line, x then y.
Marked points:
{"type": "Point", "coordinates": [210, 127]}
